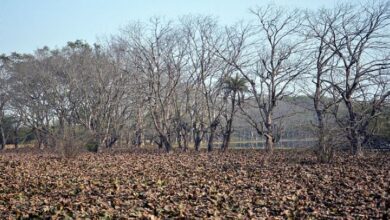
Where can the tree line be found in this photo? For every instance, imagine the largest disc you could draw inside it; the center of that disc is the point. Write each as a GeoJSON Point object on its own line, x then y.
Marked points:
{"type": "Point", "coordinates": [183, 82]}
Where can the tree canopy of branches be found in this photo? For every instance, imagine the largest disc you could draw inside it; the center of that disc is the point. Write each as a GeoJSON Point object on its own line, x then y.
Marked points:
{"type": "Point", "coordinates": [184, 82]}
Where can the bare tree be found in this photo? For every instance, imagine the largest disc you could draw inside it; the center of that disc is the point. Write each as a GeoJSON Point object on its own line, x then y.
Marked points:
{"type": "Point", "coordinates": [318, 25]}
{"type": "Point", "coordinates": [176, 82]}
{"type": "Point", "coordinates": [280, 64]}
{"type": "Point", "coordinates": [99, 87]}
{"type": "Point", "coordinates": [359, 41]}
{"type": "Point", "coordinates": [4, 97]}
{"type": "Point", "coordinates": [31, 93]}
{"type": "Point", "coordinates": [270, 56]}
{"type": "Point", "coordinates": [160, 56]}
{"type": "Point", "coordinates": [203, 38]}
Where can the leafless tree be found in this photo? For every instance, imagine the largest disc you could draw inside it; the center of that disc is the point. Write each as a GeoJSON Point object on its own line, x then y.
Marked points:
{"type": "Point", "coordinates": [203, 38]}
{"type": "Point", "coordinates": [172, 81]}
{"type": "Point", "coordinates": [160, 57]}
{"type": "Point", "coordinates": [30, 93]}
{"type": "Point", "coordinates": [270, 56]}
{"type": "Point", "coordinates": [359, 40]}
{"type": "Point", "coordinates": [4, 97]}
{"type": "Point", "coordinates": [99, 89]}
{"type": "Point", "coordinates": [318, 25]}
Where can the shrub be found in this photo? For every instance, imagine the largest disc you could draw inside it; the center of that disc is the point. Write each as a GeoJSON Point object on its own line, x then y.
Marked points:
{"type": "Point", "coordinates": [92, 146]}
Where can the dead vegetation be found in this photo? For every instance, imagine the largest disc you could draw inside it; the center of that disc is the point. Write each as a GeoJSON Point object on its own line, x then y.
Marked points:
{"type": "Point", "coordinates": [232, 185]}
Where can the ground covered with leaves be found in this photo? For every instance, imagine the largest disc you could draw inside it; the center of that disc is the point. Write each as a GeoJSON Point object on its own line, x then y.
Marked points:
{"type": "Point", "coordinates": [237, 184]}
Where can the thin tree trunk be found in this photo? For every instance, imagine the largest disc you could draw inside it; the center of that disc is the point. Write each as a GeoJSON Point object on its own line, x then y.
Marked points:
{"type": "Point", "coordinates": [269, 146]}
{"type": "Point", "coordinates": [139, 130]}
{"type": "Point", "coordinates": [179, 140]}
{"type": "Point", "coordinates": [227, 140]}
{"type": "Point", "coordinates": [227, 135]}
{"type": "Point", "coordinates": [16, 138]}
{"type": "Point", "coordinates": [138, 138]}
{"type": "Point", "coordinates": [229, 125]}
{"type": "Point", "coordinates": [185, 142]}
{"type": "Point", "coordinates": [3, 138]}
{"type": "Point", "coordinates": [210, 144]}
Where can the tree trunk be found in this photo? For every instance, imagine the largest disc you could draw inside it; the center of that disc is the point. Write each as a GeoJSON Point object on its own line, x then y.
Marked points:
{"type": "Point", "coordinates": [41, 138]}
{"type": "Point", "coordinates": [16, 136]}
{"type": "Point", "coordinates": [166, 143]}
{"type": "Point", "coordinates": [197, 139]}
{"type": "Point", "coordinates": [210, 144]}
{"type": "Point", "coordinates": [159, 142]}
{"type": "Point", "coordinates": [356, 143]}
{"type": "Point", "coordinates": [269, 146]}
{"type": "Point", "coordinates": [227, 135]}
{"type": "Point", "coordinates": [323, 149]}
{"type": "Point", "coordinates": [179, 140]}
{"type": "Point", "coordinates": [229, 124]}
{"type": "Point", "coordinates": [226, 141]}
{"type": "Point", "coordinates": [354, 135]}
{"type": "Point", "coordinates": [139, 134]}
{"type": "Point", "coordinates": [111, 140]}
{"type": "Point", "coordinates": [138, 138]}
{"type": "Point", "coordinates": [185, 142]}
{"type": "Point", "coordinates": [3, 138]}
{"type": "Point", "coordinates": [107, 142]}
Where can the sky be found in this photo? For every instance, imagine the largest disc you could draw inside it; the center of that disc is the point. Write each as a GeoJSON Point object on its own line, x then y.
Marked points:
{"type": "Point", "coordinates": [26, 25]}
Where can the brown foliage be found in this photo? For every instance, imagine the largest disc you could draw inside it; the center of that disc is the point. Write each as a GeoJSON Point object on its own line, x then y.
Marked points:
{"type": "Point", "coordinates": [232, 185]}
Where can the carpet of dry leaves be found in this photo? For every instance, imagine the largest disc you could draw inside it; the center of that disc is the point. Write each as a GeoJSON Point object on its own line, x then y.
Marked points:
{"type": "Point", "coordinates": [232, 185]}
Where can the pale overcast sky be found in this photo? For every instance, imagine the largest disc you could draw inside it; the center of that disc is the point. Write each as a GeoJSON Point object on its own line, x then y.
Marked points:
{"type": "Point", "coordinates": [26, 25]}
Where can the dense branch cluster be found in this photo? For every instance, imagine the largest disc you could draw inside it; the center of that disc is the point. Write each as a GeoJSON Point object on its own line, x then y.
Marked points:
{"type": "Point", "coordinates": [181, 83]}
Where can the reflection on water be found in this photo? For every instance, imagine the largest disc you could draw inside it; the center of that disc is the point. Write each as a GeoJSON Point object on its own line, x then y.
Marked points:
{"type": "Point", "coordinates": [288, 143]}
